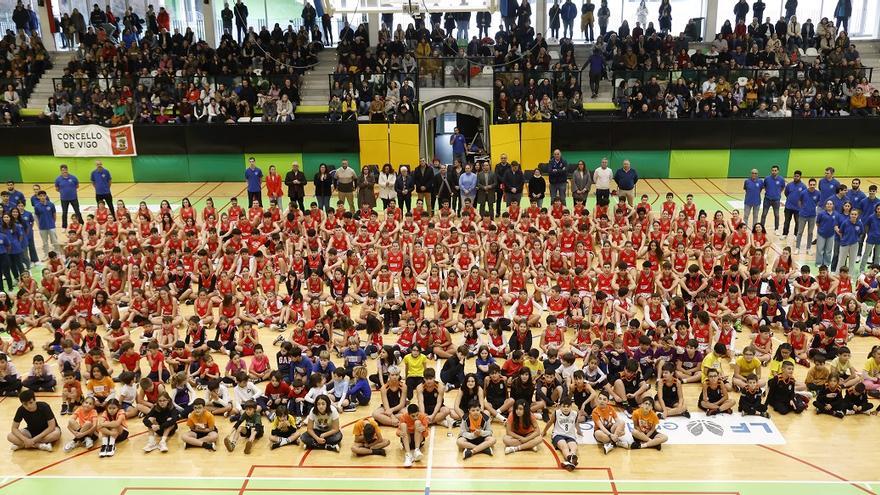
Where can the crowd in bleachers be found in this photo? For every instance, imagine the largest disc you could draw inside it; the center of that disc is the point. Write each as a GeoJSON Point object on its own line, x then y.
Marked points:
{"type": "Point", "coordinates": [23, 59]}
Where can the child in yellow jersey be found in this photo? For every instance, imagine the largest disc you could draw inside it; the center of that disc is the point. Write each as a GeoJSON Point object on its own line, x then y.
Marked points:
{"type": "Point", "coordinates": [202, 430]}
{"type": "Point", "coordinates": [284, 431]}
{"type": "Point", "coordinates": [745, 365]}
{"type": "Point", "coordinates": [646, 422]}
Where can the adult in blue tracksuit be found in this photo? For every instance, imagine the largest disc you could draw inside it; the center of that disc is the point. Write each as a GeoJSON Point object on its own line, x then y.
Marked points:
{"type": "Point", "coordinates": [839, 199]}
{"type": "Point", "coordinates": [856, 196]}
{"type": "Point", "coordinates": [5, 274]}
{"type": "Point", "coordinates": [871, 223]}
{"type": "Point", "coordinates": [827, 185]}
{"type": "Point", "coordinates": [27, 220]}
{"type": "Point", "coordinates": [808, 201]}
{"type": "Point", "coordinates": [459, 145]}
{"type": "Point", "coordinates": [14, 232]}
{"type": "Point", "coordinates": [102, 180]}
{"type": "Point", "coordinates": [46, 212]}
{"type": "Point", "coordinates": [752, 201]}
{"type": "Point", "coordinates": [67, 185]}
{"type": "Point", "coordinates": [850, 230]}
{"type": "Point", "coordinates": [774, 184]}
{"type": "Point", "coordinates": [557, 170]}
{"type": "Point", "coordinates": [792, 190]}
{"type": "Point", "coordinates": [15, 196]}
{"type": "Point", "coordinates": [826, 224]}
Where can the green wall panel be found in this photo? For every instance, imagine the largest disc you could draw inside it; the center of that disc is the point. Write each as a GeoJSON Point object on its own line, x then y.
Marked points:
{"type": "Point", "coordinates": [649, 164]}
{"type": "Point", "coordinates": [161, 168]}
{"type": "Point", "coordinates": [9, 169]}
{"type": "Point", "coordinates": [216, 168]}
{"type": "Point", "coordinates": [812, 162]}
{"type": "Point", "coordinates": [311, 161]}
{"type": "Point", "coordinates": [120, 168]}
{"type": "Point", "coordinates": [686, 164]}
{"type": "Point", "coordinates": [591, 158]}
{"type": "Point", "coordinates": [742, 161]}
{"type": "Point", "coordinates": [40, 168]}
{"type": "Point", "coordinates": [864, 162]}
{"type": "Point", "coordinates": [281, 161]}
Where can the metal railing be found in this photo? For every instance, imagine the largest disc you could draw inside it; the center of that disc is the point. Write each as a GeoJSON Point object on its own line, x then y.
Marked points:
{"type": "Point", "coordinates": [379, 83]}
{"type": "Point", "coordinates": [783, 76]}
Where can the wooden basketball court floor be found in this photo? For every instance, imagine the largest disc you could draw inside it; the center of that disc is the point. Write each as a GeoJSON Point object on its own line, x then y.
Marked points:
{"type": "Point", "coordinates": [820, 454]}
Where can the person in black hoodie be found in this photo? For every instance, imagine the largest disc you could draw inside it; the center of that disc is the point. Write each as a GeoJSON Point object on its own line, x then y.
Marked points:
{"type": "Point", "coordinates": [537, 187]}
{"type": "Point", "coordinates": [161, 422]}
{"type": "Point", "coordinates": [829, 399]}
{"type": "Point", "coordinates": [295, 180]}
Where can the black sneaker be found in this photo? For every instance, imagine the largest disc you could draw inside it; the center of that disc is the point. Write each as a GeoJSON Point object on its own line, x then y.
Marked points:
{"type": "Point", "coordinates": [659, 446]}
{"type": "Point", "coordinates": [635, 445]}
{"type": "Point", "coordinates": [209, 446]}
{"type": "Point", "coordinates": [686, 414]}
{"type": "Point", "coordinates": [104, 449]}
{"type": "Point", "coordinates": [467, 454]}
{"type": "Point", "coordinates": [189, 302]}
{"type": "Point", "coordinates": [274, 446]}
{"type": "Point", "coordinates": [488, 452]}
{"type": "Point", "coordinates": [186, 446]}
{"type": "Point", "coordinates": [574, 460]}
{"type": "Point", "coordinates": [65, 409]}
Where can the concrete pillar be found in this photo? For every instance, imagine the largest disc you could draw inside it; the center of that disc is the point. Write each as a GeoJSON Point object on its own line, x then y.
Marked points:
{"type": "Point", "coordinates": [541, 18]}
{"type": "Point", "coordinates": [711, 25]}
{"type": "Point", "coordinates": [207, 8]}
{"type": "Point", "coordinates": [45, 27]}
{"type": "Point", "coordinates": [374, 24]}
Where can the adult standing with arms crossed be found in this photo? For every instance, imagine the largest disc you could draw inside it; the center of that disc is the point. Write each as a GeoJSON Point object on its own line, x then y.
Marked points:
{"type": "Point", "coordinates": [67, 185]}
{"type": "Point", "coordinates": [101, 181]}
{"type": "Point", "coordinates": [254, 177]}
{"type": "Point", "coordinates": [752, 201]}
{"type": "Point", "coordinates": [513, 184]}
{"type": "Point", "coordinates": [295, 180]}
{"type": "Point", "coordinates": [774, 184]}
{"type": "Point", "coordinates": [602, 180]}
{"type": "Point", "coordinates": [557, 169]}
{"type": "Point", "coordinates": [626, 178]}
{"type": "Point", "coordinates": [346, 181]}
{"type": "Point", "coordinates": [241, 14]}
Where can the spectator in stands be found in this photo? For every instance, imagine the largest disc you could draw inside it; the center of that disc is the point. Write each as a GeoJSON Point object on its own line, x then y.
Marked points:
{"type": "Point", "coordinates": [842, 13]}
{"type": "Point", "coordinates": [240, 11]}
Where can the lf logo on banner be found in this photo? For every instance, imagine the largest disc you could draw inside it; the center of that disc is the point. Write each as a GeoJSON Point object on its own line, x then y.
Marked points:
{"type": "Point", "coordinates": [730, 429]}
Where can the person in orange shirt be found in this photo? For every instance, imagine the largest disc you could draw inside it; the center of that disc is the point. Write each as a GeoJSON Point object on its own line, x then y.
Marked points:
{"type": "Point", "coordinates": [202, 430]}
{"type": "Point", "coordinates": [608, 429]}
{"type": "Point", "coordinates": [112, 427]}
{"type": "Point", "coordinates": [646, 422]}
{"type": "Point", "coordinates": [412, 432]}
{"type": "Point", "coordinates": [368, 438]}
{"type": "Point", "coordinates": [82, 425]}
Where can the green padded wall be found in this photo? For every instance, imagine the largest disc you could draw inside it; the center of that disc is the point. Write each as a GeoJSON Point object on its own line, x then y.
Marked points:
{"type": "Point", "coordinates": [281, 161]}
{"type": "Point", "coordinates": [649, 164]}
{"type": "Point", "coordinates": [39, 168]}
{"type": "Point", "coordinates": [812, 162]}
{"type": "Point", "coordinates": [9, 169]}
{"type": "Point", "coordinates": [591, 158]}
{"type": "Point", "coordinates": [120, 168]}
{"type": "Point", "coordinates": [161, 168]}
{"type": "Point", "coordinates": [688, 164]}
{"type": "Point", "coordinates": [864, 162]}
{"type": "Point", "coordinates": [311, 161]}
{"type": "Point", "coordinates": [216, 168]}
{"type": "Point", "coordinates": [742, 161]}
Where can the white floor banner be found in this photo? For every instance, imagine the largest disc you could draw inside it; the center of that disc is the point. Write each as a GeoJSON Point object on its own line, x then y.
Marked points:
{"type": "Point", "coordinates": [722, 429]}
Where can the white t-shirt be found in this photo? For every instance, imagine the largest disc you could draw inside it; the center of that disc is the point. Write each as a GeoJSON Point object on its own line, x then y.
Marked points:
{"type": "Point", "coordinates": [323, 421]}
{"type": "Point", "coordinates": [602, 178]}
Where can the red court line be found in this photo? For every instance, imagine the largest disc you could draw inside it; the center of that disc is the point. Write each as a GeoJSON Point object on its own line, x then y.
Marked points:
{"type": "Point", "coordinates": [416, 468]}
{"type": "Point", "coordinates": [363, 490]}
{"type": "Point", "coordinates": [552, 450]}
{"type": "Point", "coordinates": [818, 468]}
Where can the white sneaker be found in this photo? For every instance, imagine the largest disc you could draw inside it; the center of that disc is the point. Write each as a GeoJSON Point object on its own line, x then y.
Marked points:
{"type": "Point", "coordinates": [509, 450]}
{"type": "Point", "coordinates": [45, 446]}
{"type": "Point", "coordinates": [417, 455]}
{"type": "Point", "coordinates": [797, 252]}
{"type": "Point", "coordinates": [408, 460]}
{"type": "Point", "coordinates": [776, 232]}
{"type": "Point", "coordinates": [89, 442]}
{"type": "Point", "coordinates": [623, 443]}
{"type": "Point", "coordinates": [608, 447]}
{"type": "Point", "coordinates": [71, 445]}
{"type": "Point", "coordinates": [163, 447]}
{"type": "Point", "coordinates": [447, 421]}
{"type": "Point", "coordinates": [13, 448]}
{"type": "Point", "coordinates": [152, 444]}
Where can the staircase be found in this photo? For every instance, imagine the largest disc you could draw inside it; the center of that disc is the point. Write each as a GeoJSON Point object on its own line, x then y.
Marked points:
{"type": "Point", "coordinates": [315, 90]}
{"type": "Point", "coordinates": [43, 90]}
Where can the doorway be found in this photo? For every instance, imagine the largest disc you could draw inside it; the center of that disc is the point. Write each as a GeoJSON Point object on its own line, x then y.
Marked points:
{"type": "Point", "coordinates": [441, 117]}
